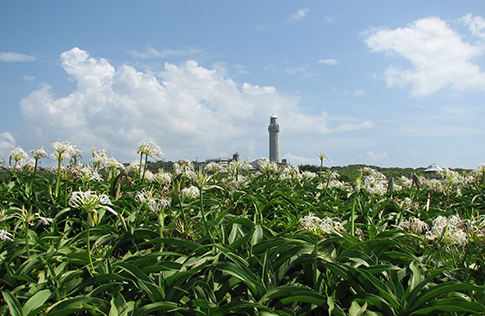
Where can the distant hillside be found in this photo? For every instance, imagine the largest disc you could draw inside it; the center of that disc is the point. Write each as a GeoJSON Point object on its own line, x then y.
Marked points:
{"type": "Point", "coordinates": [351, 172]}
{"type": "Point", "coordinates": [348, 173]}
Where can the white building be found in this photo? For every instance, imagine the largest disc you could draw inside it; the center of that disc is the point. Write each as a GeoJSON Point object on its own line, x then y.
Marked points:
{"type": "Point", "coordinates": [274, 140]}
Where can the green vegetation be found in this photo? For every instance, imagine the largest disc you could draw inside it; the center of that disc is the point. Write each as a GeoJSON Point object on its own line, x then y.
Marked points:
{"type": "Point", "coordinates": [108, 239]}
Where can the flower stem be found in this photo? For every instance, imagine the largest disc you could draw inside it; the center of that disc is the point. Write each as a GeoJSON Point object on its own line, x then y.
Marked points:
{"type": "Point", "coordinates": [89, 249]}
{"type": "Point", "coordinates": [27, 243]}
{"type": "Point", "coordinates": [58, 176]}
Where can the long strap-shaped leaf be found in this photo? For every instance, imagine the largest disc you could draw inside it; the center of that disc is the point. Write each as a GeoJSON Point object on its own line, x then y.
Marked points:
{"type": "Point", "coordinates": [245, 275]}
{"type": "Point", "coordinates": [13, 304]}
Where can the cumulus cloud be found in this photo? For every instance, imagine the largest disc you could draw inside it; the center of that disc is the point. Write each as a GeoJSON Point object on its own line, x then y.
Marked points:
{"type": "Point", "coordinates": [476, 24]}
{"type": "Point", "coordinates": [187, 109]}
{"type": "Point", "coordinates": [300, 15]}
{"type": "Point", "coordinates": [439, 55]}
{"type": "Point", "coordinates": [10, 57]}
{"type": "Point", "coordinates": [7, 144]}
{"type": "Point", "coordinates": [299, 160]}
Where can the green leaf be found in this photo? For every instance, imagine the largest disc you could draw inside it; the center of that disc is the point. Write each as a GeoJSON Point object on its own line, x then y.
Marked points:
{"type": "Point", "coordinates": [35, 303]}
{"type": "Point", "coordinates": [383, 289]}
{"type": "Point", "coordinates": [13, 304]}
{"type": "Point", "coordinates": [157, 306]}
{"type": "Point", "coordinates": [245, 275]}
{"type": "Point", "coordinates": [78, 304]}
{"type": "Point", "coordinates": [356, 309]}
{"type": "Point", "coordinates": [118, 306]}
{"type": "Point", "coordinates": [427, 296]}
{"type": "Point", "coordinates": [239, 307]}
{"type": "Point", "coordinates": [257, 235]}
{"type": "Point", "coordinates": [451, 305]}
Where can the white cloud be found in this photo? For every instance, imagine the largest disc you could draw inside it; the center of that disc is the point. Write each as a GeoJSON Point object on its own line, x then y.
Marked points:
{"type": "Point", "coordinates": [440, 57]}
{"type": "Point", "coordinates": [358, 92]}
{"type": "Point", "coordinates": [476, 24]}
{"type": "Point", "coordinates": [187, 109]}
{"type": "Point", "coordinates": [152, 52]}
{"type": "Point", "coordinates": [241, 69]}
{"type": "Point", "coordinates": [299, 160]}
{"type": "Point", "coordinates": [376, 156]}
{"type": "Point", "coordinates": [332, 62]}
{"type": "Point", "coordinates": [10, 57]}
{"type": "Point", "coordinates": [28, 78]}
{"type": "Point", "coordinates": [303, 70]}
{"type": "Point", "coordinates": [300, 15]}
{"type": "Point", "coordinates": [7, 144]}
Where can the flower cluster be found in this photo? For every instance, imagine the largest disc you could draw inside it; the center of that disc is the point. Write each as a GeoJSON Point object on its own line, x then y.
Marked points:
{"type": "Point", "coordinates": [414, 225]}
{"type": "Point", "coordinates": [215, 167]}
{"type": "Point", "coordinates": [90, 201]}
{"type": "Point", "coordinates": [154, 204]}
{"type": "Point", "coordinates": [163, 178]}
{"type": "Point", "coordinates": [319, 226]}
{"type": "Point", "coordinates": [185, 168]}
{"type": "Point", "coordinates": [373, 181]}
{"type": "Point", "coordinates": [267, 166]}
{"type": "Point", "coordinates": [150, 149]}
{"type": "Point", "coordinates": [38, 153]}
{"type": "Point", "coordinates": [191, 192]}
{"type": "Point", "coordinates": [64, 151]}
{"type": "Point", "coordinates": [19, 158]}
{"type": "Point", "coordinates": [449, 231]}
{"type": "Point", "coordinates": [4, 235]}
{"type": "Point", "coordinates": [407, 204]}
{"type": "Point", "coordinates": [290, 173]}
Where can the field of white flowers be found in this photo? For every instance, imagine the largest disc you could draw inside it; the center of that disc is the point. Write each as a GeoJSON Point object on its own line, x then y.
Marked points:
{"type": "Point", "coordinates": [108, 239]}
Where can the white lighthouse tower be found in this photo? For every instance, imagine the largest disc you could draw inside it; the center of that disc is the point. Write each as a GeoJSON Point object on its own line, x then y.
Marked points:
{"type": "Point", "coordinates": [274, 139]}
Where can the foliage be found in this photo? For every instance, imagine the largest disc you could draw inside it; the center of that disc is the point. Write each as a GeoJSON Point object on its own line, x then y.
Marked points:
{"type": "Point", "coordinates": [108, 239]}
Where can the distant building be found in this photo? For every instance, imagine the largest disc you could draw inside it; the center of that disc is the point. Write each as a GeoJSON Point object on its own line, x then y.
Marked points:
{"type": "Point", "coordinates": [274, 141]}
{"type": "Point", "coordinates": [222, 160]}
{"type": "Point", "coordinates": [433, 168]}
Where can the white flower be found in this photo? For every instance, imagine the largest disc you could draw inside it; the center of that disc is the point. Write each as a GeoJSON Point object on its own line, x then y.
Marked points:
{"type": "Point", "coordinates": [185, 168]}
{"type": "Point", "coordinates": [150, 149]}
{"type": "Point", "coordinates": [62, 150]}
{"type": "Point", "coordinates": [319, 226]}
{"type": "Point", "coordinates": [100, 157]}
{"type": "Point", "coordinates": [308, 175]}
{"type": "Point", "coordinates": [215, 167]}
{"type": "Point", "coordinates": [267, 166]}
{"type": "Point", "coordinates": [113, 163]}
{"type": "Point", "coordinates": [134, 166]}
{"type": "Point", "coordinates": [448, 230]}
{"type": "Point", "coordinates": [45, 220]}
{"type": "Point", "coordinates": [149, 176]}
{"type": "Point", "coordinates": [18, 154]}
{"type": "Point", "coordinates": [191, 192]}
{"type": "Point", "coordinates": [154, 204]}
{"type": "Point", "coordinates": [90, 201]}
{"type": "Point", "coordinates": [290, 173]}
{"type": "Point", "coordinates": [373, 181]}
{"type": "Point", "coordinates": [88, 173]}
{"type": "Point", "coordinates": [4, 235]}
{"type": "Point", "coordinates": [162, 177]}
{"type": "Point", "coordinates": [38, 153]}
{"type": "Point", "coordinates": [414, 225]}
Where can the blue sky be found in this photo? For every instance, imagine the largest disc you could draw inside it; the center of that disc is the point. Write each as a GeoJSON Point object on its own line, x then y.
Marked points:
{"type": "Point", "coordinates": [385, 83]}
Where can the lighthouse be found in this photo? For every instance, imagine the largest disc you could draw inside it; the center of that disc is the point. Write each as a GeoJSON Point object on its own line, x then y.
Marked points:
{"type": "Point", "coordinates": [274, 140]}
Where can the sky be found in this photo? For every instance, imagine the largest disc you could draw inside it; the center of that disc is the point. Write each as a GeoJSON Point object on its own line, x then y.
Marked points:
{"type": "Point", "coordinates": [385, 83]}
